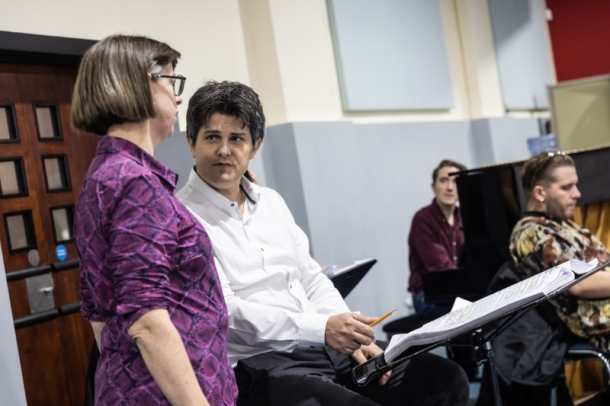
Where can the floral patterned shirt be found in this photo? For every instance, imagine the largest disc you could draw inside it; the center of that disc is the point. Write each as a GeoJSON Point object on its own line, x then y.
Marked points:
{"type": "Point", "coordinates": [539, 242]}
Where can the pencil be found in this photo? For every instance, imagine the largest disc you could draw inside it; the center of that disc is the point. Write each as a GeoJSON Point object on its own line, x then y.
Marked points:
{"type": "Point", "coordinates": [382, 318]}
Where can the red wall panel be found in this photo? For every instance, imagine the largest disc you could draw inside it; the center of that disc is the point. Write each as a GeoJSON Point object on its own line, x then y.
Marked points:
{"type": "Point", "coordinates": [580, 37]}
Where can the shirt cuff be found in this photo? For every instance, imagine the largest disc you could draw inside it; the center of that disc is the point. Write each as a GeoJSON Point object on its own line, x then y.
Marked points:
{"type": "Point", "coordinates": [312, 329]}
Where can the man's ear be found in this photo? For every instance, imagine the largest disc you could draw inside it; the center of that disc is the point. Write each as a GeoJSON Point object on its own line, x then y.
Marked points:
{"type": "Point", "coordinates": [191, 146]}
{"type": "Point", "coordinates": [539, 193]}
{"type": "Point", "coordinates": [255, 147]}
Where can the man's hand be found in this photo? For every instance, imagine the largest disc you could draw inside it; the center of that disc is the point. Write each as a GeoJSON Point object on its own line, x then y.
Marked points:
{"type": "Point", "coordinates": [347, 332]}
{"type": "Point", "coordinates": [369, 351]}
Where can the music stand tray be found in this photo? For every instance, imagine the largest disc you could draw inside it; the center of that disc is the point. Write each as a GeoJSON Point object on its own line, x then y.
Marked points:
{"type": "Point", "coordinates": [347, 277]}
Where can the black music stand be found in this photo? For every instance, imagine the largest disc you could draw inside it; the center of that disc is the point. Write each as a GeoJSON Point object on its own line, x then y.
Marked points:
{"type": "Point", "coordinates": [346, 278]}
{"type": "Point", "coordinates": [444, 285]}
{"type": "Point", "coordinates": [483, 333]}
{"type": "Point", "coordinates": [479, 338]}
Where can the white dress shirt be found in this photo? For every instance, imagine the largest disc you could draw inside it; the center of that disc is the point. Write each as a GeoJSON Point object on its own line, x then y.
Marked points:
{"type": "Point", "coordinates": [276, 295]}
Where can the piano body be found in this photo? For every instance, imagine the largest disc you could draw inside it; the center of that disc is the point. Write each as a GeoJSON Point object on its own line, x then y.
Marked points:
{"type": "Point", "coordinates": [491, 201]}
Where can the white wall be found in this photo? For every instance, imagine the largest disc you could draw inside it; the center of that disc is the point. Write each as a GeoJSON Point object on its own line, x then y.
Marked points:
{"type": "Point", "coordinates": [207, 33]}
{"type": "Point", "coordinates": [11, 383]}
{"type": "Point", "coordinates": [303, 67]}
{"type": "Point", "coordinates": [283, 49]}
{"type": "Point", "coordinates": [484, 97]}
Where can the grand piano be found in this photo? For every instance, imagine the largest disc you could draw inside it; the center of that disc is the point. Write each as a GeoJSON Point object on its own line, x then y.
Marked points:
{"type": "Point", "coordinates": [491, 200]}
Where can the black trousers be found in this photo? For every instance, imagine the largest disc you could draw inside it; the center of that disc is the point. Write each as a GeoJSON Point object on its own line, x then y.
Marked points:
{"type": "Point", "coordinates": [322, 377]}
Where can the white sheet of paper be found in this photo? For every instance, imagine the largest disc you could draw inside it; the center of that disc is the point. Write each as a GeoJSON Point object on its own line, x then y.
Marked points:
{"type": "Point", "coordinates": [460, 303]}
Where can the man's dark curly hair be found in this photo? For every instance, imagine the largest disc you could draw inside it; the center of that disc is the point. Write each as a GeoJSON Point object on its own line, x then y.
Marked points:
{"type": "Point", "coordinates": [228, 98]}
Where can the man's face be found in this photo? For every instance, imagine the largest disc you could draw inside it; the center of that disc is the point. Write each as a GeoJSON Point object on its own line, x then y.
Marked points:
{"type": "Point", "coordinates": [222, 153]}
{"type": "Point", "coordinates": [444, 187]}
{"type": "Point", "coordinates": [561, 195]}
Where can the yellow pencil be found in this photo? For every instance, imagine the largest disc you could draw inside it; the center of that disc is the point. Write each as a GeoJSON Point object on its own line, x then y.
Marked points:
{"type": "Point", "coordinates": [382, 318]}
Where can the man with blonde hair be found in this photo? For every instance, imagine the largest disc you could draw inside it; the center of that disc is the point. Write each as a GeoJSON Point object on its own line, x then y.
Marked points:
{"type": "Point", "coordinates": [546, 236]}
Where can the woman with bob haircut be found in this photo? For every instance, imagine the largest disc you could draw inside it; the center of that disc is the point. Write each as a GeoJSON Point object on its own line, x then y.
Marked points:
{"type": "Point", "coordinates": [149, 285]}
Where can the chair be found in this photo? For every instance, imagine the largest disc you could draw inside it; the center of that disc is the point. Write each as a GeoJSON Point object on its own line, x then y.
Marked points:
{"type": "Point", "coordinates": [94, 357]}
{"type": "Point", "coordinates": [531, 353]}
{"type": "Point", "coordinates": [581, 351]}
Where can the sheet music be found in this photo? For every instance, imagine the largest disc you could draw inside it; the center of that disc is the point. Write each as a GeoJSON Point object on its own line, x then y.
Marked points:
{"type": "Point", "coordinates": [580, 267]}
{"type": "Point", "coordinates": [460, 303]}
{"type": "Point", "coordinates": [489, 307]}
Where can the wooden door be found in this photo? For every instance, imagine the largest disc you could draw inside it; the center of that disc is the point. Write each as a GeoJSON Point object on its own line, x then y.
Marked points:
{"type": "Point", "coordinates": [42, 164]}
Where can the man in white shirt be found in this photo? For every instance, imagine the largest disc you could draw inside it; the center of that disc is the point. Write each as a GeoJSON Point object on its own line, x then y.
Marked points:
{"type": "Point", "coordinates": [292, 338]}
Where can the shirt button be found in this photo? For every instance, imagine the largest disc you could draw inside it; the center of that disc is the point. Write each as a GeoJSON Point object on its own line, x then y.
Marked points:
{"type": "Point", "coordinates": [454, 258]}
{"type": "Point", "coordinates": [454, 243]}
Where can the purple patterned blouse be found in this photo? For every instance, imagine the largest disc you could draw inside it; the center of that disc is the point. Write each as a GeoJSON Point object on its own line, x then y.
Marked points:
{"type": "Point", "coordinates": [141, 249]}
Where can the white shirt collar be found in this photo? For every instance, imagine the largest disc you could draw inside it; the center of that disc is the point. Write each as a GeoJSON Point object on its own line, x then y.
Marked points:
{"type": "Point", "coordinates": [252, 191]}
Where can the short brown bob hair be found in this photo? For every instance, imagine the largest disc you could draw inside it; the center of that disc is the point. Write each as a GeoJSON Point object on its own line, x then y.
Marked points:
{"type": "Point", "coordinates": [113, 87]}
{"type": "Point", "coordinates": [538, 170]}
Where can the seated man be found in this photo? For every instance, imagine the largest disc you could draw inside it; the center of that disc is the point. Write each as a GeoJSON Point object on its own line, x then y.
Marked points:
{"type": "Point", "coordinates": [436, 237]}
{"type": "Point", "coordinates": [292, 338]}
{"type": "Point", "coordinates": [545, 236]}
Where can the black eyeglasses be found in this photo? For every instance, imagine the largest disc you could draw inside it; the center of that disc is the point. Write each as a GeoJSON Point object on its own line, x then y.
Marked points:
{"type": "Point", "coordinates": [177, 82]}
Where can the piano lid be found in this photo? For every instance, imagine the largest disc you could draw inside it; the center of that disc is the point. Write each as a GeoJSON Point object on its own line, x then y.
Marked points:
{"type": "Point", "coordinates": [492, 199]}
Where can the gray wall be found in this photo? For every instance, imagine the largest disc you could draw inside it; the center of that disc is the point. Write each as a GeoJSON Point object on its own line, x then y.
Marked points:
{"type": "Point", "coordinates": [11, 381]}
{"type": "Point", "coordinates": [359, 186]}
{"type": "Point", "coordinates": [401, 44]}
{"type": "Point", "coordinates": [390, 54]}
{"type": "Point", "coordinates": [354, 188]}
{"type": "Point", "coordinates": [522, 50]}
{"type": "Point", "coordinates": [501, 139]}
